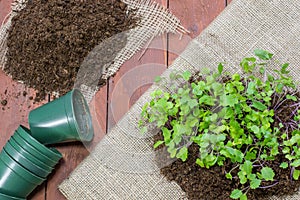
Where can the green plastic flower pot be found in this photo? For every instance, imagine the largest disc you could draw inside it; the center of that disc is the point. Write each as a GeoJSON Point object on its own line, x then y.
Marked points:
{"type": "Point", "coordinates": [26, 146]}
{"type": "Point", "coordinates": [64, 119]}
{"type": "Point", "coordinates": [27, 164]}
{"type": "Point", "coordinates": [25, 134]}
{"type": "Point", "coordinates": [7, 197]}
{"type": "Point", "coordinates": [15, 180]}
{"type": "Point", "coordinates": [29, 156]}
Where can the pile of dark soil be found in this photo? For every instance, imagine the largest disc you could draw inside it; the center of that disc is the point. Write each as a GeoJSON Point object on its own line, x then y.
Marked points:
{"type": "Point", "coordinates": [211, 184]}
{"type": "Point", "coordinates": [49, 40]}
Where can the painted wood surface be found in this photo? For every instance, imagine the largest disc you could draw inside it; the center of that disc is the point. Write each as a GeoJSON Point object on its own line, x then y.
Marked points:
{"type": "Point", "coordinates": [113, 100]}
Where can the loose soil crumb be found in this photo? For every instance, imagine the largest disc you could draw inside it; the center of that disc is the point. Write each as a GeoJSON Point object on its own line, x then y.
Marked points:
{"type": "Point", "coordinates": [49, 40]}
{"type": "Point", "coordinates": [4, 102]}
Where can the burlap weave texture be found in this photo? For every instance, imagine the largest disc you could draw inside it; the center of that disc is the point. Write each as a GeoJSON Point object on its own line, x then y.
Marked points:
{"type": "Point", "coordinates": [122, 165]}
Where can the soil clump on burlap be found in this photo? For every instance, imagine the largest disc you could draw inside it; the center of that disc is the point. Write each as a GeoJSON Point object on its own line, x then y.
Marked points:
{"type": "Point", "coordinates": [49, 40]}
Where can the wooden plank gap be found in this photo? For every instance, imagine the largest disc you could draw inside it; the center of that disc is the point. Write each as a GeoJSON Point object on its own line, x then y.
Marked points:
{"type": "Point", "coordinates": [107, 105]}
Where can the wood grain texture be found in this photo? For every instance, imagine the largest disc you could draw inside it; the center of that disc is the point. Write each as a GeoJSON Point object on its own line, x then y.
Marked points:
{"type": "Point", "coordinates": [73, 155]}
{"type": "Point", "coordinates": [5, 9]}
{"type": "Point", "coordinates": [195, 16]}
{"type": "Point", "coordinates": [134, 77]}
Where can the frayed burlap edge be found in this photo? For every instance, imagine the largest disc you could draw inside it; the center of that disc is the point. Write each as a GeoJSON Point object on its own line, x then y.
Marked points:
{"type": "Point", "coordinates": [122, 165]}
{"type": "Point", "coordinates": [16, 6]}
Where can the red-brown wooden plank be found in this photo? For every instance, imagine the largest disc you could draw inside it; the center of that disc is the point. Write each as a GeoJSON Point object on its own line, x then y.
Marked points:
{"type": "Point", "coordinates": [5, 7]}
{"type": "Point", "coordinates": [73, 155]}
{"type": "Point", "coordinates": [195, 15]}
{"type": "Point", "coordinates": [134, 77]}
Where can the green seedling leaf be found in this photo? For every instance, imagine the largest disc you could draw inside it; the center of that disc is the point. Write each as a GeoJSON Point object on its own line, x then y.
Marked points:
{"type": "Point", "coordinates": [166, 133]}
{"type": "Point", "coordinates": [228, 100]}
{"type": "Point", "coordinates": [172, 75]}
{"type": "Point", "coordinates": [157, 144]}
{"type": "Point", "coordinates": [211, 159]}
{"type": "Point", "coordinates": [186, 75]}
{"type": "Point", "coordinates": [284, 165]}
{"type": "Point", "coordinates": [247, 167]}
{"type": "Point", "coordinates": [193, 103]}
{"type": "Point", "coordinates": [200, 162]}
{"type": "Point", "coordinates": [217, 88]}
{"type": "Point", "coordinates": [258, 105]}
{"type": "Point", "coordinates": [173, 153]}
{"type": "Point", "coordinates": [262, 70]}
{"type": "Point", "coordinates": [236, 77]}
{"type": "Point", "coordinates": [296, 174]}
{"type": "Point", "coordinates": [267, 173]}
{"type": "Point", "coordinates": [236, 194]}
{"type": "Point", "coordinates": [220, 68]}
{"type": "Point", "coordinates": [210, 80]}
{"type": "Point", "coordinates": [293, 98]}
{"type": "Point", "coordinates": [197, 90]}
{"type": "Point", "coordinates": [289, 157]}
{"type": "Point", "coordinates": [182, 154]}
{"type": "Point", "coordinates": [255, 183]}
{"type": "Point", "coordinates": [255, 129]}
{"type": "Point", "coordinates": [262, 54]}
{"type": "Point", "coordinates": [279, 88]}
{"type": "Point", "coordinates": [286, 150]}
{"type": "Point", "coordinates": [242, 177]}
{"type": "Point", "coordinates": [208, 100]}
{"type": "Point", "coordinates": [284, 67]}
{"type": "Point", "coordinates": [157, 79]}
{"type": "Point", "coordinates": [248, 64]}
{"type": "Point", "coordinates": [228, 176]}
{"type": "Point", "coordinates": [251, 88]}
{"type": "Point", "coordinates": [250, 155]}
{"type": "Point", "coordinates": [243, 197]}
{"type": "Point", "coordinates": [251, 177]}
{"type": "Point", "coordinates": [193, 122]}
{"type": "Point", "coordinates": [296, 163]}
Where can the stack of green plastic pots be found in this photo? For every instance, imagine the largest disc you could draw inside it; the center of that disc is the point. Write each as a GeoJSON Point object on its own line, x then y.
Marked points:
{"type": "Point", "coordinates": [24, 164]}
{"type": "Point", "coordinates": [25, 161]}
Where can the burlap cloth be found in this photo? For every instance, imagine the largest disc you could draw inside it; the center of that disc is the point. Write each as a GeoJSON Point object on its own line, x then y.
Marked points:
{"type": "Point", "coordinates": [122, 164]}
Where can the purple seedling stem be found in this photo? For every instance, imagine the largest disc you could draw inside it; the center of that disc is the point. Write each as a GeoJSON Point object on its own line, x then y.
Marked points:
{"type": "Point", "coordinates": [269, 186]}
